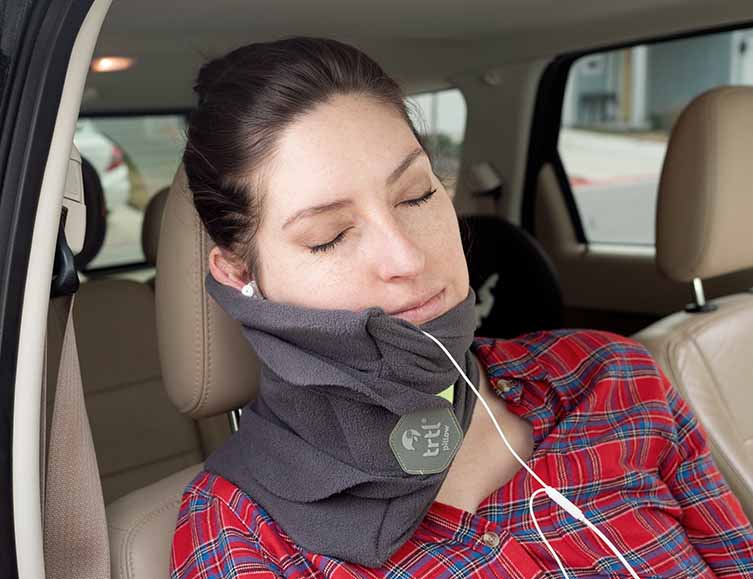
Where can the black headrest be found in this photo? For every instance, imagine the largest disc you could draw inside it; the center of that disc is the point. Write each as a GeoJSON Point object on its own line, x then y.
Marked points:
{"type": "Point", "coordinates": [517, 288]}
{"type": "Point", "coordinates": [96, 215]}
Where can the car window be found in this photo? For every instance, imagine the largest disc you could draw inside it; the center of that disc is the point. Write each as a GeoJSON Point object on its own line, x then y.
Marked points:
{"type": "Point", "coordinates": [134, 156]}
{"type": "Point", "coordinates": [618, 110]}
{"type": "Point", "coordinates": [440, 117]}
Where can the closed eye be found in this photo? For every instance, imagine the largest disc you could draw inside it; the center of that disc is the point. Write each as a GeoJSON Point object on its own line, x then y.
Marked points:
{"type": "Point", "coordinates": [423, 199]}
{"type": "Point", "coordinates": [331, 244]}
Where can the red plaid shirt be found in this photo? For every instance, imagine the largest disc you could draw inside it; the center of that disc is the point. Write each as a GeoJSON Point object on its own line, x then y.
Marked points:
{"type": "Point", "coordinates": [610, 433]}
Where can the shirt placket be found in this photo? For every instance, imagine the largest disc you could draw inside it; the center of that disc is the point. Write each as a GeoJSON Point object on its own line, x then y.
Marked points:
{"type": "Point", "coordinates": [511, 558]}
{"type": "Point", "coordinates": [506, 557]}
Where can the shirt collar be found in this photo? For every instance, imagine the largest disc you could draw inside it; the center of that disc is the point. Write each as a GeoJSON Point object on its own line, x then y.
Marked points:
{"type": "Point", "coordinates": [508, 365]}
{"type": "Point", "coordinates": [447, 522]}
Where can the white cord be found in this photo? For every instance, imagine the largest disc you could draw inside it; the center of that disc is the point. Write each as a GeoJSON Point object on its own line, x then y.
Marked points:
{"type": "Point", "coordinates": [541, 533]}
{"type": "Point", "coordinates": [611, 546]}
{"type": "Point", "coordinates": [552, 493]}
{"type": "Point", "coordinates": [488, 410]}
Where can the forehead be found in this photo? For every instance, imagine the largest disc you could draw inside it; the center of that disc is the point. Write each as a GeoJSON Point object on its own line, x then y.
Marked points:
{"type": "Point", "coordinates": [348, 145]}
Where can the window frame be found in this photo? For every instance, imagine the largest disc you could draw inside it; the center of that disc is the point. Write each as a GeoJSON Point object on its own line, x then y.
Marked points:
{"type": "Point", "coordinates": [106, 270]}
{"type": "Point", "coordinates": [447, 88]}
{"type": "Point", "coordinates": [547, 122]}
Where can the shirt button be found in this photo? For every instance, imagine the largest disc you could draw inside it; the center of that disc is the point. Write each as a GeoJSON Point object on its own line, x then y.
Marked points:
{"type": "Point", "coordinates": [504, 385]}
{"type": "Point", "coordinates": [490, 539]}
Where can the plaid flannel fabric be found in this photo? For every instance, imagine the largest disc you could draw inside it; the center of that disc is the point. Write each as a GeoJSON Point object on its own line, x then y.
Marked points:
{"type": "Point", "coordinates": [610, 432]}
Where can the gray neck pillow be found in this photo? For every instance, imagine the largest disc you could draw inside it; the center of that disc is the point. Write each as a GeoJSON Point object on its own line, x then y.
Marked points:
{"type": "Point", "coordinates": [347, 443]}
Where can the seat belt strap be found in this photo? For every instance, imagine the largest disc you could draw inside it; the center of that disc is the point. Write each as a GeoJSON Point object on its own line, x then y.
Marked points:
{"type": "Point", "coordinates": [75, 529]}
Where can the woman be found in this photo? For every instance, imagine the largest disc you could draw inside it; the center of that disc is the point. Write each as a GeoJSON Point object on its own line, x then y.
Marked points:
{"type": "Point", "coordinates": [365, 453]}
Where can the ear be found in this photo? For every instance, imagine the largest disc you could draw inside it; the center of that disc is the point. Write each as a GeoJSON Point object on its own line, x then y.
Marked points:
{"type": "Point", "coordinates": [226, 269]}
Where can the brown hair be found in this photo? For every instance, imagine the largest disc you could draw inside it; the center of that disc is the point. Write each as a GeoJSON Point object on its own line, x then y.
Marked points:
{"type": "Point", "coordinates": [246, 99]}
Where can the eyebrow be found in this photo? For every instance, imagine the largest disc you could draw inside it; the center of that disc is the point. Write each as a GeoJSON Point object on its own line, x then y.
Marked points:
{"type": "Point", "coordinates": [394, 176]}
{"type": "Point", "coordinates": [402, 167]}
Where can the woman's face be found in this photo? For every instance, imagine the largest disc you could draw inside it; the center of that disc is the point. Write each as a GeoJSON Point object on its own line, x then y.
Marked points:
{"type": "Point", "coordinates": [354, 217]}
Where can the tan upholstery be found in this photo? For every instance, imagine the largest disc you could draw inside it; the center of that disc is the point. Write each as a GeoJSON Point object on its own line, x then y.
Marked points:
{"type": "Point", "coordinates": [152, 223]}
{"type": "Point", "coordinates": [208, 369]}
{"type": "Point", "coordinates": [138, 434]}
{"type": "Point", "coordinates": [208, 366]}
{"type": "Point", "coordinates": [709, 359]}
{"type": "Point", "coordinates": [141, 527]}
{"type": "Point", "coordinates": [705, 207]}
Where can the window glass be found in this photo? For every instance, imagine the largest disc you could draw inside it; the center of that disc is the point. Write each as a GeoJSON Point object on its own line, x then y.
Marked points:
{"type": "Point", "coordinates": [619, 108]}
{"type": "Point", "coordinates": [135, 157]}
{"type": "Point", "coordinates": [440, 118]}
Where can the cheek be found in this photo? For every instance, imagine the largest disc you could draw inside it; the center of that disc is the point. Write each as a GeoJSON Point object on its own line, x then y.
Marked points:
{"type": "Point", "coordinates": [445, 258]}
{"type": "Point", "coordinates": [439, 236]}
{"type": "Point", "coordinates": [293, 277]}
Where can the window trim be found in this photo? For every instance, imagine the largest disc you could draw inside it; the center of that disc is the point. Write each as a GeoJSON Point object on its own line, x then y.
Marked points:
{"type": "Point", "coordinates": [543, 144]}
{"type": "Point", "coordinates": [125, 113]}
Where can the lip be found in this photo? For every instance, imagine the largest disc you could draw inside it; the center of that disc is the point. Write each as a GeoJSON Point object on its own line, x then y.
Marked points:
{"type": "Point", "coordinates": [422, 311]}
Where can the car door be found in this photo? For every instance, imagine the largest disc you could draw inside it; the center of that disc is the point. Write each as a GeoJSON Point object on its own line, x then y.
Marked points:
{"type": "Point", "coordinates": [45, 48]}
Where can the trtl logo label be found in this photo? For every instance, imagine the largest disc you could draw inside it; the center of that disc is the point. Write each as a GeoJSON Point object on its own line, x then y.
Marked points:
{"type": "Point", "coordinates": [426, 441]}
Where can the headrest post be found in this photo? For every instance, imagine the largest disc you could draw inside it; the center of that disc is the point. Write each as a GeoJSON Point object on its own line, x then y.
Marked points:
{"type": "Point", "coordinates": [700, 297]}
{"type": "Point", "coordinates": [234, 416]}
{"type": "Point", "coordinates": [699, 306]}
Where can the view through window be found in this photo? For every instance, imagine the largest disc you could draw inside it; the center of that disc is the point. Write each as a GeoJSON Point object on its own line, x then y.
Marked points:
{"type": "Point", "coordinates": [440, 119]}
{"type": "Point", "coordinates": [134, 156]}
{"type": "Point", "coordinates": [619, 109]}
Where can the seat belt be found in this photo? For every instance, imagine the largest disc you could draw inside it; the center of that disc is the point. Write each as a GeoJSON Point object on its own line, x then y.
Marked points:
{"type": "Point", "coordinates": [76, 544]}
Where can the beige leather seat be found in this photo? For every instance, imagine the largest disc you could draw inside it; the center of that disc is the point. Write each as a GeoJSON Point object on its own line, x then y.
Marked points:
{"type": "Point", "coordinates": [208, 369]}
{"type": "Point", "coordinates": [138, 434]}
{"type": "Point", "coordinates": [704, 228]}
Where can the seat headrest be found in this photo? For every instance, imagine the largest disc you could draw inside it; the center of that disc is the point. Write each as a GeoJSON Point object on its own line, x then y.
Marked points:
{"type": "Point", "coordinates": [96, 215]}
{"type": "Point", "coordinates": [705, 204]}
{"type": "Point", "coordinates": [208, 367]}
{"type": "Point", "coordinates": [150, 228]}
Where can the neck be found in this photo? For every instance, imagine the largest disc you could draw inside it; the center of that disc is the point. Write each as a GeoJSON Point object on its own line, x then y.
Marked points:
{"type": "Point", "coordinates": [481, 419]}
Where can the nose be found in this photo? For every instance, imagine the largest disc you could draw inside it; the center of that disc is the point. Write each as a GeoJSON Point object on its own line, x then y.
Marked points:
{"type": "Point", "coordinates": [398, 256]}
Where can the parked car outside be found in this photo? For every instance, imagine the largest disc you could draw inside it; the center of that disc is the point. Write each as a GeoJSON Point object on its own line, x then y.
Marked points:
{"type": "Point", "coordinates": [108, 159]}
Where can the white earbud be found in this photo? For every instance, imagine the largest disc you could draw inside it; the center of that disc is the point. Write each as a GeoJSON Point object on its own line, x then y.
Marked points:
{"type": "Point", "coordinates": [249, 290]}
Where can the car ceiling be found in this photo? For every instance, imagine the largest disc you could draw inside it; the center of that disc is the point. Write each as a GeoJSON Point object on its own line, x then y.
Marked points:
{"type": "Point", "coordinates": [424, 44]}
